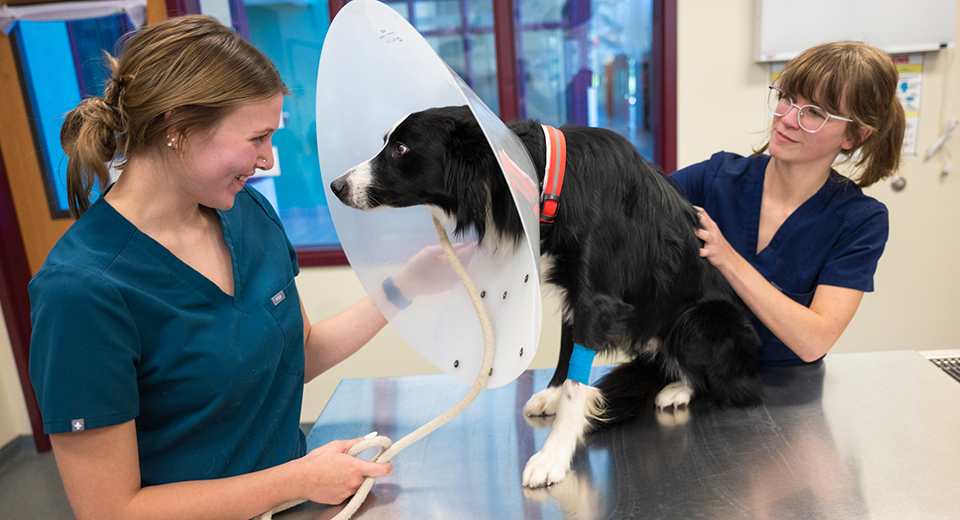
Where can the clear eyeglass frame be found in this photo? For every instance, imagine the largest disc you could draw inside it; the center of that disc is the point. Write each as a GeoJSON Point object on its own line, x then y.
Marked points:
{"type": "Point", "coordinates": [776, 100]}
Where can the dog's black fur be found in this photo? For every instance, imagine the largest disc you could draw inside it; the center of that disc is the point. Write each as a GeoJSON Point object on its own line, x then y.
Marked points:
{"type": "Point", "coordinates": [623, 245]}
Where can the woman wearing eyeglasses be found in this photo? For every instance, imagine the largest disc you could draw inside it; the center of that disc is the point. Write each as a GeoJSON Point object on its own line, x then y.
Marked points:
{"type": "Point", "coordinates": [798, 241]}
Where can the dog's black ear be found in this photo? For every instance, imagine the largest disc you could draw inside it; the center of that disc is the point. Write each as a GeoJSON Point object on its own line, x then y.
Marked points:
{"type": "Point", "coordinates": [477, 180]}
{"type": "Point", "coordinates": [466, 136]}
{"type": "Point", "coordinates": [470, 166]}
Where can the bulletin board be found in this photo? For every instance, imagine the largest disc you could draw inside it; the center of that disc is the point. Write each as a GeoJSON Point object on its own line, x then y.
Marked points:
{"type": "Point", "coordinates": [786, 28]}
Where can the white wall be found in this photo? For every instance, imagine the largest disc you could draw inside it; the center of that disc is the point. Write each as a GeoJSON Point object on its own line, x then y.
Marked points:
{"type": "Point", "coordinates": [14, 420]}
{"type": "Point", "coordinates": [720, 100]}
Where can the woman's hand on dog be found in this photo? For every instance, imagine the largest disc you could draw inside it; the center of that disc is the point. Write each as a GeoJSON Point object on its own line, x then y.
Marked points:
{"type": "Point", "coordinates": [330, 476]}
{"type": "Point", "coordinates": [715, 248]}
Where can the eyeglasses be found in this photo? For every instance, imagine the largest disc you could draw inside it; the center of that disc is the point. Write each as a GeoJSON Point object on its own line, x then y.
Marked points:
{"type": "Point", "coordinates": [811, 117]}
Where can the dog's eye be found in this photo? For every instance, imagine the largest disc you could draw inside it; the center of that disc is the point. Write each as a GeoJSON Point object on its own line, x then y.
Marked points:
{"type": "Point", "coordinates": [400, 149]}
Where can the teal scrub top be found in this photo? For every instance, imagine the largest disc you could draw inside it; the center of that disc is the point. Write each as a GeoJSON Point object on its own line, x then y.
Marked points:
{"type": "Point", "coordinates": [123, 330]}
{"type": "Point", "coordinates": [834, 238]}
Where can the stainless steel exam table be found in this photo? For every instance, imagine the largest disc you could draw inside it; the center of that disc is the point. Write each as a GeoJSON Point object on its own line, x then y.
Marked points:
{"type": "Point", "coordinates": [872, 435]}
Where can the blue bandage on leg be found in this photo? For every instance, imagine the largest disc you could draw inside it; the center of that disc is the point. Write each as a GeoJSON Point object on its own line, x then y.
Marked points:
{"type": "Point", "coordinates": [580, 362]}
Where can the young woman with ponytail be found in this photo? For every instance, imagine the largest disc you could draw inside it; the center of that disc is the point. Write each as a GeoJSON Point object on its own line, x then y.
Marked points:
{"type": "Point", "coordinates": [170, 346]}
{"type": "Point", "coordinates": [798, 241]}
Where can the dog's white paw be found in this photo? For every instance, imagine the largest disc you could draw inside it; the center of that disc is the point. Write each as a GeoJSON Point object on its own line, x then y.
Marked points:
{"type": "Point", "coordinates": [543, 402]}
{"type": "Point", "coordinates": [545, 468]}
{"type": "Point", "coordinates": [675, 394]}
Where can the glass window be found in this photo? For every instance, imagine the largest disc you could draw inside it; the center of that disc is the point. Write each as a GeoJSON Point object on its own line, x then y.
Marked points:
{"type": "Point", "coordinates": [587, 62]}
{"type": "Point", "coordinates": [462, 34]}
{"type": "Point", "coordinates": [62, 63]}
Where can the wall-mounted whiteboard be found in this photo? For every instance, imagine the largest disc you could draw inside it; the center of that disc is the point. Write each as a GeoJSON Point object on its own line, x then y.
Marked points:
{"type": "Point", "coordinates": [786, 28]}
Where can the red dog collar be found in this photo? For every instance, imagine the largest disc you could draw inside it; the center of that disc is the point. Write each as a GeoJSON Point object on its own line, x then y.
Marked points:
{"type": "Point", "coordinates": [553, 178]}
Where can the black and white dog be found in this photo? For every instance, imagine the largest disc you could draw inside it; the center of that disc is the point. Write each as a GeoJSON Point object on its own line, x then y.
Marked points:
{"type": "Point", "coordinates": [622, 251]}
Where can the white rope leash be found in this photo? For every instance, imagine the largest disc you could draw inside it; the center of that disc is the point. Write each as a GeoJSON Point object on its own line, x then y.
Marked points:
{"type": "Point", "coordinates": [387, 449]}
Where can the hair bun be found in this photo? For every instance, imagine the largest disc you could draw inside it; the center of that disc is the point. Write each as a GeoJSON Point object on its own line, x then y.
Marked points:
{"type": "Point", "coordinates": [107, 115]}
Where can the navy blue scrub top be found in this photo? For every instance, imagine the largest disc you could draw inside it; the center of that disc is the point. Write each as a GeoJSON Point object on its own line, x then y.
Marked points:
{"type": "Point", "coordinates": [834, 238]}
{"type": "Point", "coordinates": [123, 329]}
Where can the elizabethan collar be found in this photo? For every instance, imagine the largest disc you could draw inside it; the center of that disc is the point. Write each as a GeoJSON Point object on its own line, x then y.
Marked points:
{"type": "Point", "coordinates": [375, 69]}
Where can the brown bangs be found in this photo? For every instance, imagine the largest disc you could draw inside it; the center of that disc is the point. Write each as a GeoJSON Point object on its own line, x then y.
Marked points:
{"type": "Point", "coordinates": [819, 79]}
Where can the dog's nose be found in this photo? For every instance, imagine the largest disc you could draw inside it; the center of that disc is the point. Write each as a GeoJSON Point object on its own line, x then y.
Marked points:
{"type": "Point", "coordinates": [338, 185]}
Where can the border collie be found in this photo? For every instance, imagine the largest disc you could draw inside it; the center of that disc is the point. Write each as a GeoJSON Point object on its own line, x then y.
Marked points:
{"type": "Point", "coordinates": [621, 249]}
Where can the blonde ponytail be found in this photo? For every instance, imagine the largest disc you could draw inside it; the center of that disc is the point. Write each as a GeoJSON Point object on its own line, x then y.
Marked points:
{"type": "Point", "coordinates": [89, 139]}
